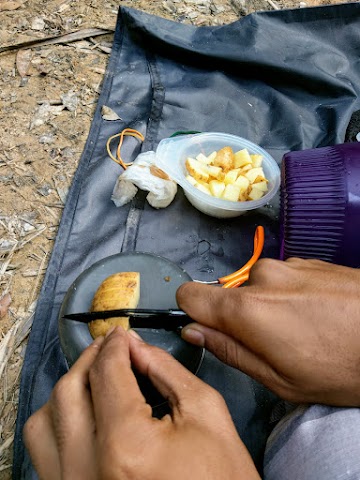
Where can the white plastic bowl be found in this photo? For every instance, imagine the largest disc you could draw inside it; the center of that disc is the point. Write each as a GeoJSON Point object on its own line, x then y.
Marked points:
{"type": "Point", "coordinates": [171, 155]}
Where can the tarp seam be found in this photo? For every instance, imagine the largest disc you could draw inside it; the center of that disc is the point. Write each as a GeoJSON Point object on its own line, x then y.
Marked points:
{"type": "Point", "coordinates": [157, 103]}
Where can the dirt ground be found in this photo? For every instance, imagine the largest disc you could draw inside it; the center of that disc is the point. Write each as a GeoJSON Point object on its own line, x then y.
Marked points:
{"type": "Point", "coordinates": [48, 95]}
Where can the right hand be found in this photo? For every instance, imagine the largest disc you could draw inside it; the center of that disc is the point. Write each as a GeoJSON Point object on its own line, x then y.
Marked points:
{"type": "Point", "coordinates": [97, 424]}
{"type": "Point", "coordinates": [295, 328]}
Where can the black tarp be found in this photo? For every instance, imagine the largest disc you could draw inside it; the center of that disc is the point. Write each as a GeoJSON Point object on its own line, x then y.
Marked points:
{"type": "Point", "coordinates": [286, 80]}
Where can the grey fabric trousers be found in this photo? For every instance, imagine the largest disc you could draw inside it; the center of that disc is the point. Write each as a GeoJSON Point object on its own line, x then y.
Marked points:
{"type": "Point", "coordinates": [315, 443]}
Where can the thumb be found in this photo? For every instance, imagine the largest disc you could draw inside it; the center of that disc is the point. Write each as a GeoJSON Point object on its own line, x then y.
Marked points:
{"type": "Point", "coordinates": [227, 310]}
{"type": "Point", "coordinates": [228, 350]}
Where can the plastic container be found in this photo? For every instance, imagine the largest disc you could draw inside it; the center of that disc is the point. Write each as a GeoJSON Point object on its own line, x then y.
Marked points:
{"type": "Point", "coordinates": [320, 204]}
{"type": "Point", "coordinates": [171, 155]}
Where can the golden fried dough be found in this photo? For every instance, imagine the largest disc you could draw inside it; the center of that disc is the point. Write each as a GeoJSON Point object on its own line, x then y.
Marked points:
{"type": "Point", "coordinates": [121, 290]}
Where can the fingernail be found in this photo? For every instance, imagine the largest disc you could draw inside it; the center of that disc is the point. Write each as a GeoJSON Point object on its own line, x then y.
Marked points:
{"type": "Point", "coordinates": [193, 336]}
{"type": "Point", "coordinates": [98, 341]}
{"type": "Point", "coordinates": [109, 332]}
{"type": "Point", "coordinates": [135, 335]}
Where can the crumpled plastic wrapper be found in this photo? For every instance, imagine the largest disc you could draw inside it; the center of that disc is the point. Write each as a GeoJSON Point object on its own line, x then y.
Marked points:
{"type": "Point", "coordinates": [144, 174]}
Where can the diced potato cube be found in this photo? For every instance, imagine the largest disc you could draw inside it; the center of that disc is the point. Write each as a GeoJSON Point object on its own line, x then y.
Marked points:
{"type": "Point", "coordinates": [203, 183]}
{"type": "Point", "coordinates": [211, 157]}
{"type": "Point", "coordinates": [216, 188]}
{"type": "Point", "coordinates": [253, 173]}
{"type": "Point", "coordinates": [214, 171]}
{"type": "Point", "coordinates": [259, 179]}
{"type": "Point", "coordinates": [224, 159]}
{"type": "Point", "coordinates": [203, 188]}
{"type": "Point", "coordinates": [231, 193]}
{"type": "Point", "coordinates": [231, 176]}
{"type": "Point", "coordinates": [221, 176]}
{"type": "Point", "coordinates": [197, 169]}
{"type": "Point", "coordinates": [256, 160]}
{"type": "Point", "coordinates": [261, 186]}
{"type": "Point", "coordinates": [245, 169]}
{"type": "Point", "coordinates": [255, 194]}
{"type": "Point", "coordinates": [203, 159]}
{"type": "Point", "coordinates": [242, 182]}
{"type": "Point", "coordinates": [191, 180]}
{"type": "Point", "coordinates": [242, 158]}
{"type": "Point", "coordinates": [243, 196]}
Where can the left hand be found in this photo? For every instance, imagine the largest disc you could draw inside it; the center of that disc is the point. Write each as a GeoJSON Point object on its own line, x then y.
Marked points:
{"type": "Point", "coordinates": [97, 424]}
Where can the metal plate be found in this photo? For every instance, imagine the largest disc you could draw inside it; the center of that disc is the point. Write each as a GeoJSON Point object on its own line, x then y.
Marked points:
{"type": "Point", "coordinates": [159, 280]}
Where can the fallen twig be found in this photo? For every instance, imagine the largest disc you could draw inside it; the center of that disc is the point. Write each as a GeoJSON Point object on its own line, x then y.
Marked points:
{"type": "Point", "coordinates": [14, 337]}
{"type": "Point", "coordinates": [5, 467]}
{"type": "Point", "coordinates": [6, 444]}
{"type": "Point", "coordinates": [273, 4]}
{"type": "Point", "coordinates": [7, 347]}
{"type": "Point", "coordinates": [33, 293]}
{"type": "Point", "coordinates": [67, 38]}
{"type": "Point", "coordinates": [25, 326]}
{"type": "Point", "coordinates": [6, 263]}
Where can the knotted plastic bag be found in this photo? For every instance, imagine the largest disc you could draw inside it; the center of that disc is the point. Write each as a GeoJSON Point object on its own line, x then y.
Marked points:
{"type": "Point", "coordinates": [144, 175]}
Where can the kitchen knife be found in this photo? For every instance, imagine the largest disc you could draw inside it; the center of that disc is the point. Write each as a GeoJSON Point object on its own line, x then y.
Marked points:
{"type": "Point", "coordinates": [171, 319]}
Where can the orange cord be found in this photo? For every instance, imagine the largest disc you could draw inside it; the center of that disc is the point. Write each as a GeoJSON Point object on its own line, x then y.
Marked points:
{"type": "Point", "coordinates": [239, 277]}
{"type": "Point", "coordinates": [237, 281]}
{"type": "Point", "coordinates": [126, 132]}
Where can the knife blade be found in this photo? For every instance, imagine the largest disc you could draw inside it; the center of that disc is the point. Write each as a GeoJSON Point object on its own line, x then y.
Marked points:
{"type": "Point", "coordinates": [170, 320]}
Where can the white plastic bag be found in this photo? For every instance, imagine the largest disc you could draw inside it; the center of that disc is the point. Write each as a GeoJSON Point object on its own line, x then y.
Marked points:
{"type": "Point", "coordinates": [145, 175]}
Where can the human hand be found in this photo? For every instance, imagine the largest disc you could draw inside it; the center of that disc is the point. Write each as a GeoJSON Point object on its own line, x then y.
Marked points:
{"type": "Point", "coordinates": [97, 424]}
{"type": "Point", "coordinates": [295, 328]}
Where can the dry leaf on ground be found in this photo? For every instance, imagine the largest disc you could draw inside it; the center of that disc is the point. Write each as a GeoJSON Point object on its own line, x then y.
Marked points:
{"type": "Point", "coordinates": [6, 6]}
{"type": "Point", "coordinates": [23, 59]}
{"type": "Point", "coordinates": [109, 114]}
{"type": "Point", "coordinates": [5, 302]}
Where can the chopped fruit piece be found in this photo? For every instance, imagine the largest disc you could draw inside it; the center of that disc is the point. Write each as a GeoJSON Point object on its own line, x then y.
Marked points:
{"type": "Point", "coordinates": [191, 180]}
{"type": "Point", "coordinates": [197, 169]}
{"type": "Point", "coordinates": [221, 176]}
{"type": "Point", "coordinates": [256, 160]}
{"type": "Point", "coordinates": [253, 173]}
{"type": "Point", "coordinates": [255, 194]}
{"type": "Point", "coordinates": [203, 159]}
{"type": "Point", "coordinates": [259, 179]}
{"type": "Point", "coordinates": [243, 197]}
{"type": "Point", "coordinates": [225, 159]}
{"type": "Point", "coordinates": [216, 188]}
{"type": "Point", "coordinates": [231, 193]}
{"type": "Point", "coordinates": [231, 176]}
{"type": "Point", "coordinates": [245, 169]}
{"type": "Point", "coordinates": [214, 171]}
{"type": "Point", "coordinates": [212, 156]}
{"type": "Point", "coordinates": [261, 186]}
{"type": "Point", "coordinates": [242, 158]}
{"type": "Point", "coordinates": [242, 182]}
{"type": "Point", "coordinates": [203, 188]}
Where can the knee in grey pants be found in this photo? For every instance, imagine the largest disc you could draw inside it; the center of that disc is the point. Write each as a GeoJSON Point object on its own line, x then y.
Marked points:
{"type": "Point", "coordinates": [315, 443]}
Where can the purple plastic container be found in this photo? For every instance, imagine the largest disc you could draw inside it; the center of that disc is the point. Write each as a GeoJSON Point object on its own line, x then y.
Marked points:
{"type": "Point", "coordinates": [320, 204]}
